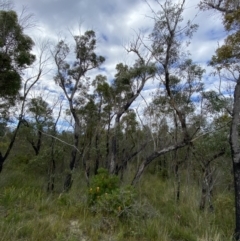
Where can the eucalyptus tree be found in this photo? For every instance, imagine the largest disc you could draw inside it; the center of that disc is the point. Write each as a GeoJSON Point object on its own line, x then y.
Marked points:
{"type": "Point", "coordinates": [127, 86]}
{"type": "Point", "coordinates": [54, 151]}
{"type": "Point", "coordinates": [15, 53]}
{"type": "Point", "coordinates": [30, 78]}
{"type": "Point", "coordinates": [227, 59]}
{"type": "Point", "coordinates": [130, 144]}
{"type": "Point", "coordinates": [212, 149]}
{"type": "Point", "coordinates": [20, 70]}
{"type": "Point", "coordinates": [179, 78]}
{"type": "Point", "coordinates": [90, 137]}
{"type": "Point", "coordinates": [71, 77]}
{"type": "Point", "coordinates": [15, 56]}
{"type": "Point", "coordinates": [207, 151]}
{"type": "Point", "coordinates": [104, 100]}
{"type": "Point", "coordinates": [41, 120]}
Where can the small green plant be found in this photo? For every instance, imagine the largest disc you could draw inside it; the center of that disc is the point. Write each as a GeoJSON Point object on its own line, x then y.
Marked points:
{"type": "Point", "coordinates": [120, 202]}
{"type": "Point", "coordinates": [107, 197]}
{"type": "Point", "coordinates": [103, 183]}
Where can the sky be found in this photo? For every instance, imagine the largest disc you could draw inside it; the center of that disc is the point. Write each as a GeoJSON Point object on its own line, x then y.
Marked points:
{"type": "Point", "coordinates": [116, 23]}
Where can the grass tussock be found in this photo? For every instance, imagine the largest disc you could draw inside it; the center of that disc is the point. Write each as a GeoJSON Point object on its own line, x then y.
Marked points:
{"type": "Point", "coordinates": [29, 213]}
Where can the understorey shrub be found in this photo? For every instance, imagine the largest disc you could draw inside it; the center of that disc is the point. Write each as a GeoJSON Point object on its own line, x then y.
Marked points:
{"type": "Point", "coordinates": [108, 198]}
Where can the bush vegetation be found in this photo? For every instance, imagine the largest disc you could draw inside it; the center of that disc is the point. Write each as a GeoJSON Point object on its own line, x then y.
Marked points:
{"type": "Point", "coordinates": [106, 210]}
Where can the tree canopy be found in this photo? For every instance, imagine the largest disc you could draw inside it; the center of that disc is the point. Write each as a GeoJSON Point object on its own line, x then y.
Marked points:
{"type": "Point", "coordinates": [15, 53]}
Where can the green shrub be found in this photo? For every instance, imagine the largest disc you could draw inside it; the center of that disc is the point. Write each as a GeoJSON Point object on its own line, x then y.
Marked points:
{"type": "Point", "coordinates": [103, 183]}
{"type": "Point", "coordinates": [106, 197]}
{"type": "Point", "coordinates": [119, 202]}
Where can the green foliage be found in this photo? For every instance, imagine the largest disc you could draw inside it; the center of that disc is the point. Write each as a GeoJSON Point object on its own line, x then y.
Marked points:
{"type": "Point", "coordinates": [105, 195]}
{"type": "Point", "coordinates": [40, 110]}
{"type": "Point", "coordinates": [69, 75]}
{"type": "Point", "coordinates": [119, 202]}
{"type": "Point", "coordinates": [15, 54]}
{"type": "Point", "coordinates": [232, 20]}
{"type": "Point", "coordinates": [101, 184]}
{"type": "Point", "coordinates": [228, 55]}
{"type": "Point", "coordinates": [28, 213]}
{"type": "Point", "coordinates": [216, 102]}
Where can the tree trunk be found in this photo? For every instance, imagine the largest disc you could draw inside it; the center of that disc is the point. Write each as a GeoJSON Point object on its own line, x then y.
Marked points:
{"type": "Point", "coordinates": [39, 141]}
{"type": "Point", "coordinates": [1, 161]}
{"type": "Point", "coordinates": [98, 154]}
{"type": "Point", "coordinates": [37, 146]}
{"type": "Point", "coordinates": [51, 181]}
{"type": "Point", "coordinates": [177, 177]}
{"type": "Point", "coordinates": [68, 180]}
{"type": "Point", "coordinates": [235, 151]}
{"type": "Point", "coordinates": [153, 156]}
{"type": "Point", "coordinates": [107, 144]}
{"type": "Point", "coordinates": [207, 187]}
{"type": "Point", "coordinates": [113, 161]}
{"type": "Point", "coordinates": [10, 146]}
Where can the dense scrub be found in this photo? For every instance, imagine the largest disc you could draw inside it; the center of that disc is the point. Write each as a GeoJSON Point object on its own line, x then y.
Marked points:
{"type": "Point", "coordinates": [28, 212]}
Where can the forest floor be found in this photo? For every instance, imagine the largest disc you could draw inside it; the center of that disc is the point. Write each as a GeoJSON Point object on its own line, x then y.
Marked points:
{"type": "Point", "coordinates": [29, 213]}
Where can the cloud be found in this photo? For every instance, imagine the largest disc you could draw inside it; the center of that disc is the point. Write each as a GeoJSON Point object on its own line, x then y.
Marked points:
{"type": "Point", "coordinates": [116, 23]}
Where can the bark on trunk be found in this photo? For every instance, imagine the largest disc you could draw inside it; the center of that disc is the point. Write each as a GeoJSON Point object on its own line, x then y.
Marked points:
{"type": "Point", "coordinates": [98, 154]}
{"type": "Point", "coordinates": [207, 187]}
{"type": "Point", "coordinates": [129, 158]}
{"type": "Point", "coordinates": [37, 146]}
{"type": "Point", "coordinates": [235, 150]}
{"type": "Point", "coordinates": [1, 162]}
{"type": "Point", "coordinates": [153, 156]}
{"type": "Point", "coordinates": [68, 180]}
{"type": "Point", "coordinates": [51, 181]}
{"type": "Point", "coordinates": [177, 177]}
{"type": "Point", "coordinates": [113, 161]}
{"type": "Point", "coordinates": [10, 146]}
{"type": "Point", "coordinates": [107, 144]}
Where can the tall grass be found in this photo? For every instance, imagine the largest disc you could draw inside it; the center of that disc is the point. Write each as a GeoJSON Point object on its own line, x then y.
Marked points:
{"type": "Point", "coordinates": [29, 213]}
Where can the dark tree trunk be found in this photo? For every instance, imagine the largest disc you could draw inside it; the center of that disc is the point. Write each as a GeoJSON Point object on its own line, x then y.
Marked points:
{"type": "Point", "coordinates": [68, 180]}
{"type": "Point", "coordinates": [98, 154]}
{"type": "Point", "coordinates": [10, 146]}
{"type": "Point", "coordinates": [87, 159]}
{"type": "Point", "coordinates": [235, 150]}
{"type": "Point", "coordinates": [39, 141]}
{"type": "Point", "coordinates": [37, 146]}
{"type": "Point", "coordinates": [130, 157]}
{"type": "Point", "coordinates": [177, 177]}
{"type": "Point", "coordinates": [51, 181]}
{"type": "Point", "coordinates": [107, 144]}
{"type": "Point", "coordinates": [1, 161]}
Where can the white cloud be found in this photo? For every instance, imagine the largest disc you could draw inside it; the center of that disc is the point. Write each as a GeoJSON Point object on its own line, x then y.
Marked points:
{"type": "Point", "coordinates": [116, 23]}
